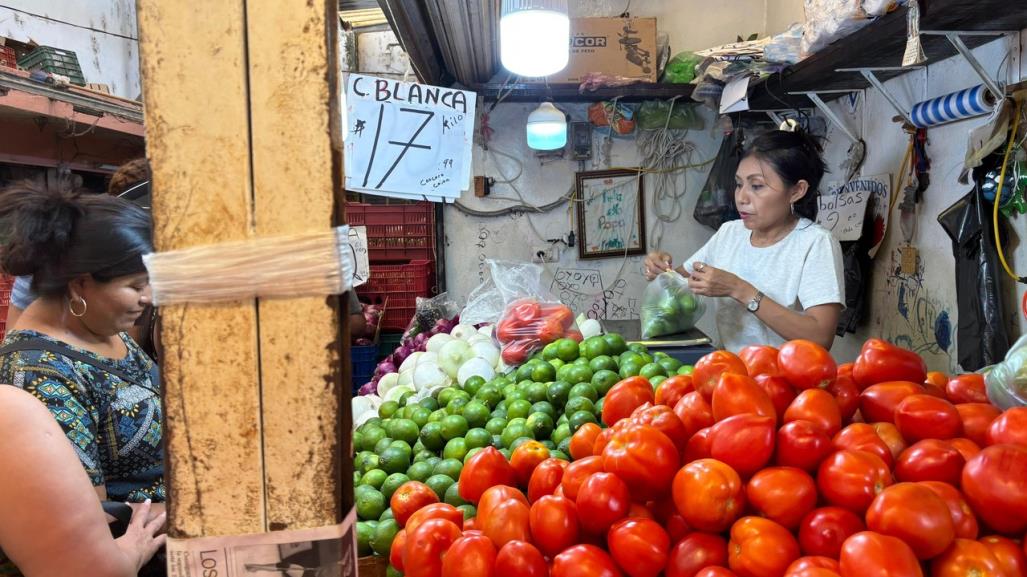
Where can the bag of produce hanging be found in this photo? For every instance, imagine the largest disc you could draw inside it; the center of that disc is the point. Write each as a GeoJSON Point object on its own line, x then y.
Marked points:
{"type": "Point", "coordinates": [1006, 382]}
{"type": "Point", "coordinates": [529, 324]}
{"type": "Point", "coordinates": [669, 307]}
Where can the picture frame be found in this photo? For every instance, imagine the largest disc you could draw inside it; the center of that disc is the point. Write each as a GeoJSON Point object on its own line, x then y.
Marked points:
{"type": "Point", "coordinates": [608, 203]}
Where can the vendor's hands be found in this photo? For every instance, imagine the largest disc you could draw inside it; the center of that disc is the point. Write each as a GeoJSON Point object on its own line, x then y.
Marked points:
{"type": "Point", "coordinates": [713, 282]}
{"type": "Point", "coordinates": [655, 263]}
{"type": "Point", "coordinates": [142, 539]}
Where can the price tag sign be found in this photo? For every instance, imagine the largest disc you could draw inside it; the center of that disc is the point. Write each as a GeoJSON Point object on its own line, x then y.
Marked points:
{"type": "Point", "coordinates": [843, 208]}
{"type": "Point", "coordinates": [358, 243]}
{"type": "Point", "coordinates": [408, 140]}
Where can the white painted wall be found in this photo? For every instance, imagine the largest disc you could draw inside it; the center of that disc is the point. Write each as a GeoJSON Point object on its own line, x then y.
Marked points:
{"type": "Point", "coordinates": [471, 240]}
{"type": "Point", "coordinates": [105, 56]}
{"type": "Point", "coordinates": [911, 310]}
{"type": "Point", "coordinates": [690, 24]}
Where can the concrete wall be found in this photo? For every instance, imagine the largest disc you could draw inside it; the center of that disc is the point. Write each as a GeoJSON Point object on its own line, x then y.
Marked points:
{"type": "Point", "coordinates": [604, 288]}
{"type": "Point", "coordinates": [108, 54]}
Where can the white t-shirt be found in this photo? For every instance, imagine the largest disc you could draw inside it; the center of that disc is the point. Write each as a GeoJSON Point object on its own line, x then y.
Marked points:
{"type": "Point", "coordinates": [802, 270]}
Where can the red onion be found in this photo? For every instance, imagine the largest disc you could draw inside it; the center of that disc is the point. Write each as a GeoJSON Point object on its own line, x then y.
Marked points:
{"type": "Point", "coordinates": [368, 389]}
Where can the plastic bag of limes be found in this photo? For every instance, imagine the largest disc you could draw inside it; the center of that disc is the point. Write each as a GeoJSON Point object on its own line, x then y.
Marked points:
{"type": "Point", "coordinates": [669, 307]}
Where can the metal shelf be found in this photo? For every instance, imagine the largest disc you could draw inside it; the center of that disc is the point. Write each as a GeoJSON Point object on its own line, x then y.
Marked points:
{"type": "Point", "coordinates": [525, 92]}
{"type": "Point", "coordinates": [881, 44]}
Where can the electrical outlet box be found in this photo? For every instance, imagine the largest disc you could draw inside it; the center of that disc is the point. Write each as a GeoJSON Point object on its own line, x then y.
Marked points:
{"type": "Point", "coordinates": [543, 254]}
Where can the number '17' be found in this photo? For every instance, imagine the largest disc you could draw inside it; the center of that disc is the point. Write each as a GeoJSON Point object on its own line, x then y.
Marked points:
{"type": "Point", "coordinates": [405, 145]}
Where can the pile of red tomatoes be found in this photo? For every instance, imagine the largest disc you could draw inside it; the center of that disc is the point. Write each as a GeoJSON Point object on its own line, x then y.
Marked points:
{"type": "Point", "coordinates": [770, 463]}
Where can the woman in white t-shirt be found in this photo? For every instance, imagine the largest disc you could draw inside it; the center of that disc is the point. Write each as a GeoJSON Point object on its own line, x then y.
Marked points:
{"type": "Point", "coordinates": [775, 275]}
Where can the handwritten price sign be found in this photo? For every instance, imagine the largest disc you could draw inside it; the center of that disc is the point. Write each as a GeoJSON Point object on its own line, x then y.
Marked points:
{"type": "Point", "coordinates": [844, 207]}
{"type": "Point", "coordinates": [407, 140]}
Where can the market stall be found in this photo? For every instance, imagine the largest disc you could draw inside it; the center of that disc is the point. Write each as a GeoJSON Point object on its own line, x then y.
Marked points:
{"type": "Point", "coordinates": [544, 288]}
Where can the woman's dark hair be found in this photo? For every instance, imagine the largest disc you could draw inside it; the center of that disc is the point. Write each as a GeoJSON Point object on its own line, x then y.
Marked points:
{"type": "Point", "coordinates": [58, 235]}
{"type": "Point", "coordinates": [794, 156]}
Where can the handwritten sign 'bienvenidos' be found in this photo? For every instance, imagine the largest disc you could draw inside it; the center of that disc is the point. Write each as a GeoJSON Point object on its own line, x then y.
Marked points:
{"type": "Point", "coordinates": [407, 140]}
{"type": "Point", "coordinates": [843, 208]}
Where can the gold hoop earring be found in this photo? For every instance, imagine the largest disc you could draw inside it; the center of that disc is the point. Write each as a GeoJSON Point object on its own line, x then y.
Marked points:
{"type": "Point", "coordinates": [71, 307]}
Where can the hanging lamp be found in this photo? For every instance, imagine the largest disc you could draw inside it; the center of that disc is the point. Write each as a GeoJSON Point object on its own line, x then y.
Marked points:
{"type": "Point", "coordinates": [547, 128]}
{"type": "Point", "coordinates": [534, 36]}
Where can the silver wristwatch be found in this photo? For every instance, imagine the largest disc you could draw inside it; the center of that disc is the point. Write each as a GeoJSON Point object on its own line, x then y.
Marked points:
{"type": "Point", "coordinates": [754, 304]}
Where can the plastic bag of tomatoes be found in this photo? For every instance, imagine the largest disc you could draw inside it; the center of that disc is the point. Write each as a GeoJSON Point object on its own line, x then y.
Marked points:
{"type": "Point", "coordinates": [528, 324]}
{"type": "Point", "coordinates": [669, 307]}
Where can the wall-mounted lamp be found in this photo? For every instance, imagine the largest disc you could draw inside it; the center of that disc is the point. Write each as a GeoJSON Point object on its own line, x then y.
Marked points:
{"type": "Point", "coordinates": [547, 128]}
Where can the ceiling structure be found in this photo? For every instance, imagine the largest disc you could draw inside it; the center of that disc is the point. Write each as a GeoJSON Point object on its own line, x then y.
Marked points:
{"type": "Point", "coordinates": [448, 41]}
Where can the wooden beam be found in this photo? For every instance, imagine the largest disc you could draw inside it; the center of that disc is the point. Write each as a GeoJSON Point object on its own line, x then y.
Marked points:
{"type": "Point", "coordinates": [242, 136]}
{"type": "Point", "coordinates": [197, 123]}
{"type": "Point", "coordinates": [292, 84]}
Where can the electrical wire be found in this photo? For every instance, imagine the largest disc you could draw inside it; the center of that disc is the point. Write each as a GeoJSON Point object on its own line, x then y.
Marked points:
{"type": "Point", "coordinates": [66, 23]}
{"type": "Point", "coordinates": [998, 199]}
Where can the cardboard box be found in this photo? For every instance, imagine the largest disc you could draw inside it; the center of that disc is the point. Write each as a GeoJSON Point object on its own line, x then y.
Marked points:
{"type": "Point", "coordinates": [613, 46]}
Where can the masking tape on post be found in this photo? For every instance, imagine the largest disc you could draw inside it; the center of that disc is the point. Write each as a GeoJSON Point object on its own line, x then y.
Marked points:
{"type": "Point", "coordinates": [959, 105]}
{"type": "Point", "coordinates": [302, 265]}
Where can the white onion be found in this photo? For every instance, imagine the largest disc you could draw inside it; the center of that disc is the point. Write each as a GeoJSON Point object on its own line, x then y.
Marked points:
{"type": "Point", "coordinates": [463, 332]}
{"type": "Point", "coordinates": [590, 328]}
{"type": "Point", "coordinates": [410, 362]}
{"type": "Point", "coordinates": [475, 367]}
{"type": "Point", "coordinates": [478, 338]}
{"type": "Point", "coordinates": [430, 377]}
{"type": "Point", "coordinates": [486, 330]}
{"type": "Point", "coordinates": [387, 382]}
{"type": "Point", "coordinates": [436, 341]}
{"type": "Point", "coordinates": [488, 351]}
{"type": "Point", "coordinates": [452, 355]}
{"type": "Point", "coordinates": [406, 379]}
{"type": "Point", "coordinates": [397, 393]}
{"type": "Point", "coordinates": [363, 410]}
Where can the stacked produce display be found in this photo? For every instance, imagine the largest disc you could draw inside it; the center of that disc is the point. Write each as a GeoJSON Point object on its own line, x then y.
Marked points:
{"type": "Point", "coordinates": [601, 459]}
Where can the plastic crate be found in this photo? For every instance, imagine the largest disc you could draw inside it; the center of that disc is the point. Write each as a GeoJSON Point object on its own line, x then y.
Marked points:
{"type": "Point", "coordinates": [396, 231]}
{"type": "Point", "coordinates": [388, 343]}
{"type": "Point", "coordinates": [413, 279]}
{"type": "Point", "coordinates": [8, 57]}
{"type": "Point", "coordinates": [363, 359]}
{"type": "Point", "coordinates": [398, 312]}
{"type": "Point", "coordinates": [6, 286]}
{"type": "Point", "coordinates": [54, 61]}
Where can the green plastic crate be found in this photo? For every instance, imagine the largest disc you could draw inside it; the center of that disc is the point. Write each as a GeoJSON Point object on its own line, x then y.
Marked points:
{"type": "Point", "coordinates": [389, 343]}
{"type": "Point", "coordinates": [54, 61]}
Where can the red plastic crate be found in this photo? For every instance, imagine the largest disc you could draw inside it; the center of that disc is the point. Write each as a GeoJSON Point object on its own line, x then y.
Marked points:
{"type": "Point", "coordinates": [416, 278]}
{"type": "Point", "coordinates": [6, 286]}
{"type": "Point", "coordinates": [7, 57]}
{"type": "Point", "coordinates": [396, 232]}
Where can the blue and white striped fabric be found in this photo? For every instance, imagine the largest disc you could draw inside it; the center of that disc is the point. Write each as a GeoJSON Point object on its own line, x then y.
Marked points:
{"type": "Point", "coordinates": [22, 295]}
{"type": "Point", "coordinates": [951, 107]}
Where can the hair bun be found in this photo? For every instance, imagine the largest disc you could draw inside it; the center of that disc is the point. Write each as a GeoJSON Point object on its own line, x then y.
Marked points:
{"type": "Point", "coordinates": [41, 223]}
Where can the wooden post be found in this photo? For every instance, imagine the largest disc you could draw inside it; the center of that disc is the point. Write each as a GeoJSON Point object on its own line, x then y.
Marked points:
{"type": "Point", "coordinates": [241, 132]}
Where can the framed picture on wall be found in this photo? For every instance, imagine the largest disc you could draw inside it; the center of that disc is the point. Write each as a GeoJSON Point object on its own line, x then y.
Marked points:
{"type": "Point", "coordinates": [611, 215]}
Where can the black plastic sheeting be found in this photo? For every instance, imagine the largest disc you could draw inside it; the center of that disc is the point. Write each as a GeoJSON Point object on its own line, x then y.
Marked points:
{"type": "Point", "coordinates": [981, 337]}
{"type": "Point", "coordinates": [716, 204]}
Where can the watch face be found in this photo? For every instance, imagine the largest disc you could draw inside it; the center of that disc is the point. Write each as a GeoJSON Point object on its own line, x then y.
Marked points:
{"type": "Point", "coordinates": [752, 306]}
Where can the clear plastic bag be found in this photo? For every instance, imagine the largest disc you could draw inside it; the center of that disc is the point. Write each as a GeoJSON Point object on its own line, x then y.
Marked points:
{"type": "Point", "coordinates": [526, 314]}
{"type": "Point", "coordinates": [530, 323]}
{"type": "Point", "coordinates": [669, 306]}
{"type": "Point", "coordinates": [430, 311]}
{"type": "Point", "coordinates": [1006, 382]}
{"type": "Point", "coordinates": [506, 281]}
{"type": "Point", "coordinates": [681, 68]}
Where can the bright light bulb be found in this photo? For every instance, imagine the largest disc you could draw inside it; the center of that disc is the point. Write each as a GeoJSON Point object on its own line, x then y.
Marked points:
{"type": "Point", "coordinates": [547, 128]}
{"type": "Point", "coordinates": [534, 36]}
